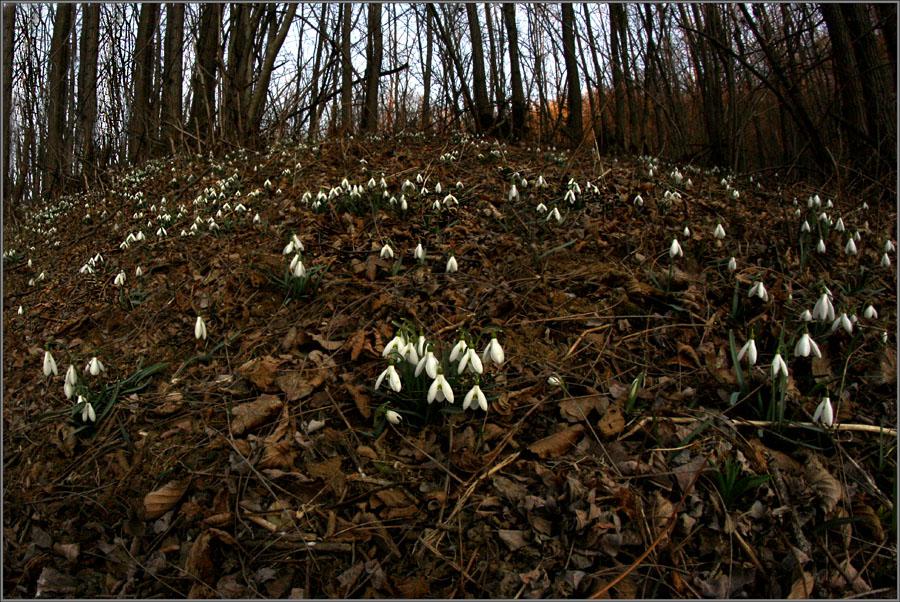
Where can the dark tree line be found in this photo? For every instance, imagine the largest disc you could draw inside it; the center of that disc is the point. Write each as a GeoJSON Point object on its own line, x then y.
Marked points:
{"type": "Point", "coordinates": [749, 87]}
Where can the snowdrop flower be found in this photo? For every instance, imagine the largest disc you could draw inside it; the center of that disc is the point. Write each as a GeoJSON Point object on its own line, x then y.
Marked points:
{"type": "Point", "coordinates": [675, 249]}
{"type": "Point", "coordinates": [749, 349]}
{"type": "Point", "coordinates": [839, 226]}
{"type": "Point", "coordinates": [429, 363]}
{"type": "Point", "coordinates": [493, 351]}
{"type": "Point", "coordinates": [719, 232]}
{"type": "Point", "coordinates": [460, 348]}
{"type": "Point", "coordinates": [476, 394]}
{"type": "Point", "coordinates": [297, 267]}
{"type": "Point", "coordinates": [805, 345]}
{"type": "Point", "coordinates": [87, 411]}
{"type": "Point", "coordinates": [470, 358]}
{"type": "Point", "coordinates": [870, 313]}
{"type": "Point", "coordinates": [256, 219]}
{"type": "Point", "coordinates": [824, 413]}
{"type": "Point", "coordinates": [541, 182]}
{"type": "Point", "coordinates": [541, 208]}
{"type": "Point", "coordinates": [200, 328]}
{"type": "Point", "coordinates": [49, 364]}
{"type": "Point", "coordinates": [459, 185]}
{"type": "Point", "coordinates": [71, 376]}
{"type": "Point", "coordinates": [21, 311]}
{"type": "Point", "coordinates": [759, 290]}
{"type": "Point", "coordinates": [440, 390]}
{"type": "Point", "coordinates": [865, 206]}
{"type": "Point", "coordinates": [393, 417]}
{"type": "Point", "coordinates": [821, 246]}
{"type": "Point", "coordinates": [850, 249]}
{"type": "Point", "coordinates": [420, 345]}
{"type": "Point", "coordinates": [570, 196]}
{"type": "Point", "coordinates": [403, 204]}
{"type": "Point", "coordinates": [555, 215]}
{"type": "Point", "coordinates": [842, 321]}
{"type": "Point", "coordinates": [410, 354]}
{"type": "Point", "coordinates": [805, 226]}
{"type": "Point", "coordinates": [686, 232]}
{"type": "Point", "coordinates": [393, 378]}
{"type": "Point", "coordinates": [419, 253]}
{"type": "Point", "coordinates": [387, 252]}
{"type": "Point", "coordinates": [817, 201]}
{"type": "Point", "coordinates": [806, 316]}
{"type": "Point", "coordinates": [885, 261]}
{"type": "Point", "coordinates": [120, 278]}
{"type": "Point", "coordinates": [437, 188]}
{"type": "Point", "coordinates": [138, 272]}
{"type": "Point", "coordinates": [513, 193]}
{"type": "Point", "coordinates": [732, 264]}
{"type": "Point", "coordinates": [42, 276]}
{"type": "Point", "coordinates": [823, 310]}
{"type": "Point", "coordinates": [396, 344]}
{"type": "Point", "coordinates": [95, 367]}
{"type": "Point", "coordinates": [554, 381]}
{"type": "Point", "coordinates": [86, 269]}
{"type": "Point", "coordinates": [451, 265]}
{"type": "Point", "coordinates": [779, 366]}
{"type": "Point", "coordinates": [638, 201]}
{"type": "Point", "coordinates": [888, 246]}
{"type": "Point", "coordinates": [371, 183]}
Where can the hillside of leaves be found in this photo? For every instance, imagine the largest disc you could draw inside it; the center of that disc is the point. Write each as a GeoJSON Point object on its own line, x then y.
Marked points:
{"type": "Point", "coordinates": [626, 451]}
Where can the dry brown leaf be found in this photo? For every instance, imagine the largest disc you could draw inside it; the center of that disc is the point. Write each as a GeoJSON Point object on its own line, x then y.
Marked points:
{"type": "Point", "coordinates": [887, 365]}
{"type": "Point", "coordinates": [613, 422]}
{"type": "Point", "coordinates": [157, 503]}
{"type": "Point", "coordinates": [326, 344]}
{"type": "Point", "coordinates": [278, 450]}
{"type": "Point", "coordinates": [360, 398]}
{"type": "Point", "coordinates": [870, 520]}
{"type": "Point", "coordinates": [200, 562]}
{"type": "Point", "coordinates": [253, 413]}
{"type": "Point", "coordinates": [662, 512]}
{"type": "Point", "coordinates": [260, 371]}
{"type": "Point", "coordinates": [802, 587]}
{"type": "Point", "coordinates": [826, 486]}
{"type": "Point", "coordinates": [557, 443]}
{"type": "Point", "coordinates": [578, 408]}
{"type": "Point", "coordinates": [295, 386]}
{"type": "Point", "coordinates": [330, 472]}
{"type": "Point", "coordinates": [821, 369]}
{"type": "Point", "coordinates": [371, 267]}
{"type": "Point", "coordinates": [356, 344]}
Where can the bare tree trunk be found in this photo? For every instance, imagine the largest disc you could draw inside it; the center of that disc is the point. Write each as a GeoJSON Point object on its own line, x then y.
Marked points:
{"type": "Point", "coordinates": [317, 61]}
{"type": "Point", "coordinates": [140, 134]}
{"type": "Point", "coordinates": [257, 102]}
{"type": "Point", "coordinates": [173, 76]}
{"type": "Point", "coordinates": [374, 55]}
{"type": "Point", "coordinates": [87, 83]}
{"type": "Point", "coordinates": [426, 97]}
{"type": "Point", "coordinates": [496, 87]}
{"type": "Point", "coordinates": [9, 25]}
{"type": "Point", "coordinates": [346, 71]}
{"type": "Point", "coordinates": [484, 116]}
{"type": "Point", "coordinates": [54, 149]}
{"type": "Point", "coordinates": [203, 82]}
{"type": "Point", "coordinates": [618, 84]}
{"type": "Point", "coordinates": [599, 125]}
{"type": "Point", "coordinates": [518, 94]}
{"type": "Point", "coordinates": [574, 123]}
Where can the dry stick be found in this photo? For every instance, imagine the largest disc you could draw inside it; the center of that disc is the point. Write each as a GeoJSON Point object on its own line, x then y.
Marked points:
{"type": "Point", "coordinates": [669, 525]}
{"type": "Point", "coordinates": [859, 428]}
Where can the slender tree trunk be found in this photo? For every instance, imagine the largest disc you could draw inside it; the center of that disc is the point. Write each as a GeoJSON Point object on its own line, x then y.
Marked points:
{"type": "Point", "coordinates": [140, 134]}
{"type": "Point", "coordinates": [496, 86]}
{"type": "Point", "coordinates": [203, 82]}
{"type": "Point", "coordinates": [618, 78]}
{"type": "Point", "coordinates": [54, 149]}
{"type": "Point", "coordinates": [374, 55]}
{"type": "Point", "coordinates": [257, 102]}
{"type": "Point", "coordinates": [519, 107]}
{"type": "Point", "coordinates": [574, 123]}
{"type": "Point", "coordinates": [346, 71]}
{"type": "Point", "coordinates": [426, 96]}
{"type": "Point", "coordinates": [600, 129]}
{"type": "Point", "coordinates": [314, 99]}
{"type": "Point", "coordinates": [9, 32]}
{"type": "Point", "coordinates": [483, 113]}
{"type": "Point", "coordinates": [173, 76]}
{"type": "Point", "coordinates": [87, 83]}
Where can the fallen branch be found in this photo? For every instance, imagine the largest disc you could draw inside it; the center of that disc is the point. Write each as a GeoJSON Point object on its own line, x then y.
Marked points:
{"type": "Point", "coordinates": [856, 428]}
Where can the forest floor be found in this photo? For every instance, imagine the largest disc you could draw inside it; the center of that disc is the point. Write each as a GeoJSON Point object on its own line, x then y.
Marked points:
{"type": "Point", "coordinates": [623, 452]}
